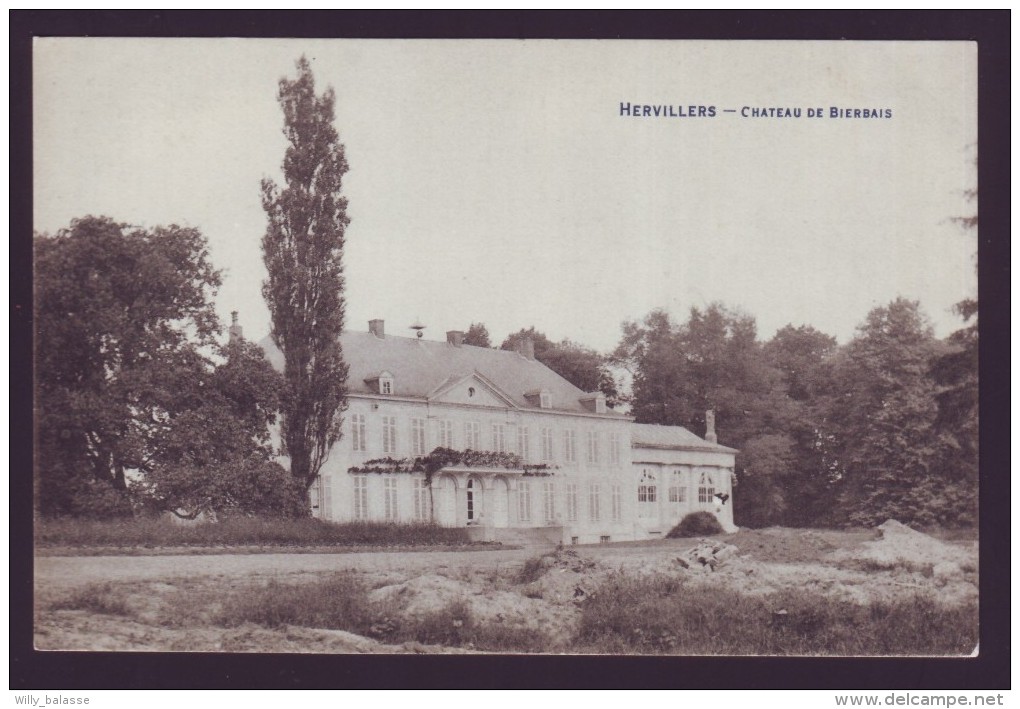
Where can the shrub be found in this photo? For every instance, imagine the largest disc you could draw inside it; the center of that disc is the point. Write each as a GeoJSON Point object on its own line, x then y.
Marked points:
{"type": "Point", "coordinates": [102, 598]}
{"type": "Point", "coordinates": [94, 499]}
{"type": "Point", "coordinates": [658, 615]}
{"type": "Point", "coordinates": [339, 602]}
{"type": "Point", "coordinates": [240, 530]}
{"type": "Point", "coordinates": [249, 486]}
{"type": "Point", "coordinates": [532, 570]}
{"type": "Point", "coordinates": [696, 524]}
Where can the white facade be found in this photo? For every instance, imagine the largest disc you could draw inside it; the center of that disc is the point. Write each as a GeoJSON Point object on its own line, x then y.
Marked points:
{"type": "Point", "coordinates": [603, 481]}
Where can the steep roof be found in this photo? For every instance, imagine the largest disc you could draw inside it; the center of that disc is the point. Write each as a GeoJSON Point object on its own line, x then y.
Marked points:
{"type": "Point", "coordinates": [420, 367]}
{"type": "Point", "coordinates": [650, 435]}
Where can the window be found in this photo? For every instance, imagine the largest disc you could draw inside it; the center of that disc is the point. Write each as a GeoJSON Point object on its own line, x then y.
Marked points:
{"type": "Point", "coordinates": [389, 434]}
{"type": "Point", "coordinates": [472, 436]}
{"type": "Point", "coordinates": [593, 447]}
{"type": "Point", "coordinates": [421, 501]}
{"type": "Point", "coordinates": [614, 448]}
{"type": "Point", "coordinates": [360, 497]}
{"type": "Point", "coordinates": [390, 498]}
{"type": "Point", "coordinates": [647, 495]}
{"type": "Point", "coordinates": [444, 436]}
{"type": "Point", "coordinates": [418, 436]}
{"type": "Point", "coordinates": [570, 446]}
{"type": "Point", "coordinates": [547, 444]}
{"type": "Point", "coordinates": [706, 489]}
{"type": "Point", "coordinates": [545, 399]}
{"type": "Point", "coordinates": [324, 496]}
{"type": "Point", "coordinates": [677, 492]}
{"type": "Point", "coordinates": [524, 501]}
{"type": "Point", "coordinates": [594, 502]}
{"type": "Point", "coordinates": [358, 433]}
{"type": "Point", "coordinates": [571, 502]}
{"type": "Point", "coordinates": [522, 442]}
{"type": "Point", "coordinates": [499, 437]}
{"type": "Point", "coordinates": [617, 504]}
{"type": "Point", "coordinates": [471, 500]}
{"type": "Point", "coordinates": [549, 501]}
{"type": "Point", "coordinates": [385, 386]}
{"type": "Point", "coordinates": [604, 539]}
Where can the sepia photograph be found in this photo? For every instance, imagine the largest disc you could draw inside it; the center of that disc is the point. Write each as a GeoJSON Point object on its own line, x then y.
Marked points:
{"type": "Point", "coordinates": [538, 347]}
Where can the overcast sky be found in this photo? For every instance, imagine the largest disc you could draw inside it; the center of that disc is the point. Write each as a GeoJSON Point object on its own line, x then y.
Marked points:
{"type": "Point", "coordinates": [498, 182]}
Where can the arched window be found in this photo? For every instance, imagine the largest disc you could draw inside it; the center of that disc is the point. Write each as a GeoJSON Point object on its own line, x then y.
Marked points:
{"type": "Point", "coordinates": [706, 488]}
{"type": "Point", "coordinates": [647, 494]}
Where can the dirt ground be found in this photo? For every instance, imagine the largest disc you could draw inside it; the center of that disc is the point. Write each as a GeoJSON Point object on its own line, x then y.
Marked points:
{"type": "Point", "coordinates": [169, 598]}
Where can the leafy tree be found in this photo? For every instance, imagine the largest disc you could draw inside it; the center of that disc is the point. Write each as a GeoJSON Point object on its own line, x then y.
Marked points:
{"type": "Point", "coordinates": [214, 453]}
{"type": "Point", "coordinates": [803, 355]}
{"type": "Point", "coordinates": [477, 335]}
{"type": "Point", "coordinates": [891, 455]}
{"type": "Point", "coordinates": [303, 251]}
{"type": "Point", "coordinates": [540, 342]}
{"type": "Point", "coordinates": [714, 361]}
{"type": "Point", "coordinates": [121, 313]}
{"type": "Point", "coordinates": [581, 366]}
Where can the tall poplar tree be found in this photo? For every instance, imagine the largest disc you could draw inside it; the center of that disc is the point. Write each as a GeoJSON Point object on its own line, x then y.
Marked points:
{"type": "Point", "coordinates": [303, 251]}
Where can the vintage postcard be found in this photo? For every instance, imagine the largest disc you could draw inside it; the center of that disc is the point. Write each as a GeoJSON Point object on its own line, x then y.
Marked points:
{"type": "Point", "coordinates": [541, 346]}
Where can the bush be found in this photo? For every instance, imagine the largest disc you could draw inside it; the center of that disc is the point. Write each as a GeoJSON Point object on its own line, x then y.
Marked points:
{"type": "Point", "coordinates": [96, 598]}
{"type": "Point", "coordinates": [248, 486]}
{"type": "Point", "coordinates": [532, 570]}
{"type": "Point", "coordinates": [660, 614]}
{"type": "Point", "coordinates": [696, 524]}
{"type": "Point", "coordinates": [339, 603]}
{"type": "Point", "coordinates": [93, 499]}
{"type": "Point", "coordinates": [239, 531]}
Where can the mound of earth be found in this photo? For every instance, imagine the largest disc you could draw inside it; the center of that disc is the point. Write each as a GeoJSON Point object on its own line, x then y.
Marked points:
{"type": "Point", "coordinates": [423, 595]}
{"type": "Point", "coordinates": [899, 546]}
{"type": "Point", "coordinates": [566, 578]}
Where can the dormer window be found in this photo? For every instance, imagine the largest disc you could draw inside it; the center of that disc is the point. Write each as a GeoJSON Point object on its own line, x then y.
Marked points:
{"type": "Point", "coordinates": [594, 402]}
{"type": "Point", "coordinates": [382, 383]}
{"type": "Point", "coordinates": [539, 397]}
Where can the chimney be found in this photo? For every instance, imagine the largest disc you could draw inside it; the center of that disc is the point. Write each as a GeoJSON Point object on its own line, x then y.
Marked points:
{"type": "Point", "coordinates": [527, 348]}
{"type": "Point", "coordinates": [455, 337]}
{"type": "Point", "coordinates": [236, 331]}
{"type": "Point", "coordinates": [710, 427]}
{"type": "Point", "coordinates": [376, 328]}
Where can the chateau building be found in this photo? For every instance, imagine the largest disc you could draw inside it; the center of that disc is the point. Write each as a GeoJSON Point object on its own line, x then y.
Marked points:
{"type": "Point", "coordinates": [523, 450]}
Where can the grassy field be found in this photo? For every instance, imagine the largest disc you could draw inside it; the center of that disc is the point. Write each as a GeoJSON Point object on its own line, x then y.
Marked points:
{"type": "Point", "coordinates": [157, 532]}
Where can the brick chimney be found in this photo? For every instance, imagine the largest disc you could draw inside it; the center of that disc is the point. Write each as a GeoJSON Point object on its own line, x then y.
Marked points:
{"type": "Point", "coordinates": [376, 328]}
{"type": "Point", "coordinates": [710, 427]}
{"type": "Point", "coordinates": [526, 348]}
{"type": "Point", "coordinates": [455, 337]}
{"type": "Point", "coordinates": [236, 331]}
